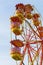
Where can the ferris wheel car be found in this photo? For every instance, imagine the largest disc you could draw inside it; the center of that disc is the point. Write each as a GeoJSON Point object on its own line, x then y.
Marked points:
{"type": "Point", "coordinates": [16, 55]}
{"type": "Point", "coordinates": [28, 8]}
{"type": "Point", "coordinates": [40, 30]}
{"type": "Point", "coordinates": [20, 7]}
{"type": "Point", "coordinates": [20, 15]}
{"type": "Point", "coordinates": [17, 43]}
{"type": "Point", "coordinates": [16, 31]}
{"type": "Point", "coordinates": [28, 15]}
{"type": "Point", "coordinates": [36, 16]}
{"type": "Point", "coordinates": [16, 19]}
{"type": "Point", "coordinates": [36, 22]}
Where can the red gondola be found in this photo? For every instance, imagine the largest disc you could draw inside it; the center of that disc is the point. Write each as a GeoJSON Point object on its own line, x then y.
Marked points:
{"type": "Point", "coordinates": [28, 8]}
{"type": "Point", "coordinates": [17, 43]}
{"type": "Point", "coordinates": [40, 30]}
{"type": "Point", "coordinates": [16, 19]}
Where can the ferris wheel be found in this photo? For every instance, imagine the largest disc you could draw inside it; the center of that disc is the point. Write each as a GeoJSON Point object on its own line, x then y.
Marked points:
{"type": "Point", "coordinates": [26, 35]}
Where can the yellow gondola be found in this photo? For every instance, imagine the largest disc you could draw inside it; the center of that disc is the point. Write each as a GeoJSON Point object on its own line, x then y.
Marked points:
{"type": "Point", "coordinates": [20, 15]}
{"type": "Point", "coordinates": [16, 31]}
{"type": "Point", "coordinates": [28, 15]}
{"type": "Point", "coordinates": [36, 22]}
{"type": "Point", "coordinates": [16, 56]}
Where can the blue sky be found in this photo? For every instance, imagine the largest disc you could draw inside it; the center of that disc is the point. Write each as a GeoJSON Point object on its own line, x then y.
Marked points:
{"type": "Point", "coordinates": [7, 8]}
